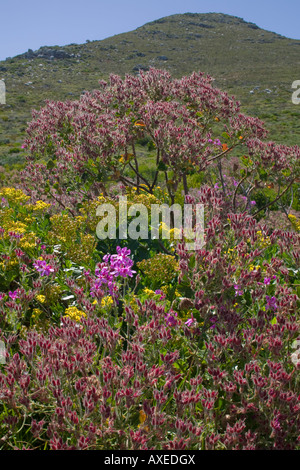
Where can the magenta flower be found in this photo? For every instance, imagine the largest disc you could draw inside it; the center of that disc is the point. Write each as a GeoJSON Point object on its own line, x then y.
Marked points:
{"type": "Point", "coordinates": [170, 318]}
{"type": "Point", "coordinates": [13, 295]}
{"type": "Point", "coordinates": [190, 321]}
{"type": "Point", "coordinates": [267, 281]}
{"type": "Point", "coordinates": [112, 267]}
{"type": "Point", "coordinates": [238, 291]}
{"type": "Point", "coordinates": [160, 292]}
{"type": "Point", "coordinates": [271, 303]}
{"type": "Point", "coordinates": [42, 267]}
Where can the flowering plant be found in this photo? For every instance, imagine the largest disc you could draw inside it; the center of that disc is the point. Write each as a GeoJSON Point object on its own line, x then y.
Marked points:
{"type": "Point", "coordinates": [139, 345]}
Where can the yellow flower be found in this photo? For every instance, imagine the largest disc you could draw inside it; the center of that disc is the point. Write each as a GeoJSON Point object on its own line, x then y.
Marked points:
{"type": "Point", "coordinates": [263, 241]}
{"type": "Point", "coordinates": [148, 291]}
{"type": "Point", "coordinates": [142, 417]}
{"type": "Point", "coordinates": [36, 313]}
{"type": "Point", "coordinates": [74, 313]}
{"type": "Point", "coordinates": [41, 298]}
{"type": "Point", "coordinates": [40, 206]}
{"type": "Point", "coordinates": [295, 222]}
{"type": "Point", "coordinates": [253, 268]}
{"type": "Point", "coordinates": [107, 301]}
{"type": "Point", "coordinates": [13, 195]}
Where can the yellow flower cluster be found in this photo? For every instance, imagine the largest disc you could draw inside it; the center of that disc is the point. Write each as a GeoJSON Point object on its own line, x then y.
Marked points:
{"type": "Point", "coordinates": [18, 227]}
{"type": "Point", "coordinates": [160, 269]}
{"type": "Point", "coordinates": [41, 298]}
{"type": "Point", "coordinates": [143, 197]}
{"type": "Point", "coordinates": [7, 265]}
{"type": "Point", "coordinates": [232, 255]}
{"type": "Point", "coordinates": [166, 290]}
{"type": "Point", "coordinates": [173, 233]}
{"type": "Point", "coordinates": [253, 268]}
{"type": "Point", "coordinates": [28, 242]}
{"type": "Point", "coordinates": [69, 232]}
{"type": "Point", "coordinates": [36, 312]}
{"type": "Point", "coordinates": [40, 206]}
{"type": "Point", "coordinates": [13, 195]}
{"type": "Point", "coordinates": [295, 222]}
{"type": "Point", "coordinates": [74, 313]}
{"type": "Point", "coordinates": [264, 242]}
{"type": "Point", "coordinates": [9, 223]}
{"type": "Point", "coordinates": [89, 218]}
{"type": "Point", "coordinates": [107, 301]}
{"type": "Point", "coordinates": [148, 291]}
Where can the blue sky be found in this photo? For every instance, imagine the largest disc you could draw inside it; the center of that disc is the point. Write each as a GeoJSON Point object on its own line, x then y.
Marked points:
{"type": "Point", "coordinates": [30, 24]}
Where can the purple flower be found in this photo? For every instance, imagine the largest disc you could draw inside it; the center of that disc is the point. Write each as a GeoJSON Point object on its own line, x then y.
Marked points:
{"type": "Point", "coordinates": [190, 321]}
{"type": "Point", "coordinates": [271, 303]}
{"type": "Point", "coordinates": [238, 291]}
{"type": "Point", "coordinates": [170, 318]}
{"type": "Point", "coordinates": [252, 203]}
{"type": "Point", "coordinates": [42, 267]}
{"type": "Point", "coordinates": [267, 281]}
{"type": "Point", "coordinates": [13, 295]}
{"type": "Point", "coordinates": [160, 292]}
{"type": "Point", "coordinates": [112, 267]}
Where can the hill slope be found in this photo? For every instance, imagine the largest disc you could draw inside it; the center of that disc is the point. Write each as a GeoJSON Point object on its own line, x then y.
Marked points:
{"type": "Point", "coordinates": [255, 65]}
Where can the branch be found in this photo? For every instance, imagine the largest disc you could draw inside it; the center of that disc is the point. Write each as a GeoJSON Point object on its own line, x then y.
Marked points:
{"type": "Point", "coordinates": [276, 199]}
{"type": "Point", "coordinates": [220, 154]}
{"type": "Point", "coordinates": [236, 189]}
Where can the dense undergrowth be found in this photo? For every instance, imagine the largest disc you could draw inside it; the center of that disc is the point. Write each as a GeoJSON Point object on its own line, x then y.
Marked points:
{"type": "Point", "coordinates": [143, 344]}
